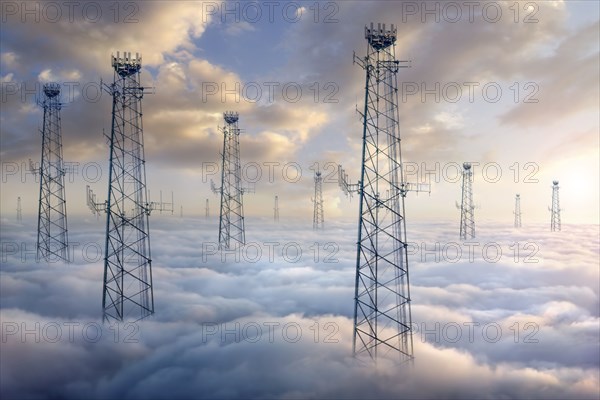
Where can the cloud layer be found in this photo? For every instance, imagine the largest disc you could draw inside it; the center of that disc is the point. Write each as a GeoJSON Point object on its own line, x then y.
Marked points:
{"type": "Point", "coordinates": [511, 328]}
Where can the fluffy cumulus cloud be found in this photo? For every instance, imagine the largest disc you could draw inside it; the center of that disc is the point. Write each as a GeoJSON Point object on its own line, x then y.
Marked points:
{"type": "Point", "coordinates": [513, 314]}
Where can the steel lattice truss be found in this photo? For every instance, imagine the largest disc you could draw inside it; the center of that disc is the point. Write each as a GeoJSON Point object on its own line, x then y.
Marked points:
{"type": "Point", "coordinates": [517, 211]}
{"type": "Point", "coordinates": [52, 239]}
{"type": "Point", "coordinates": [231, 223]}
{"type": "Point", "coordinates": [555, 210]}
{"type": "Point", "coordinates": [467, 208]}
{"type": "Point", "coordinates": [382, 315]}
{"type": "Point", "coordinates": [127, 293]}
{"type": "Point", "coordinates": [318, 216]}
{"type": "Point", "coordinates": [19, 210]}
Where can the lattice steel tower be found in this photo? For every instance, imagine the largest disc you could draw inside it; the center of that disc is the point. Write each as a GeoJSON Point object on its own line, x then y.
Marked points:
{"type": "Point", "coordinates": [276, 210]}
{"type": "Point", "coordinates": [382, 315]}
{"type": "Point", "coordinates": [52, 239]}
{"type": "Point", "coordinates": [466, 207]}
{"type": "Point", "coordinates": [19, 210]}
{"type": "Point", "coordinates": [555, 209]}
{"type": "Point", "coordinates": [232, 233]}
{"type": "Point", "coordinates": [127, 293]}
{"type": "Point", "coordinates": [517, 211]}
{"type": "Point", "coordinates": [318, 217]}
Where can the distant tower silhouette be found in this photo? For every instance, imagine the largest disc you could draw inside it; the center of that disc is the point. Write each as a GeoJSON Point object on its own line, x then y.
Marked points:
{"type": "Point", "coordinates": [180, 211]}
{"type": "Point", "coordinates": [19, 210]}
{"type": "Point", "coordinates": [517, 211]}
{"type": "Point", "coordinates": [555, 209]}
{"type": "Point", "coordinates": [52, 239]}
{"type": "Point", "coordinates": [276, 209]}
{"type": "Point", "coordinates": [232, 233]}
{"type": "Point", "coordinates": [127, 293]}
{"type": "Point", "coordinates": [207, 210]}
{"type": "Point", "coordinates": [318, 218]}
{"type": "Point", "coordinates": [466, 207]}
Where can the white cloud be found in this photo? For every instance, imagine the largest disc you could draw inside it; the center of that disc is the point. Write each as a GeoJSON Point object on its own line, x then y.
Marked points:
{"type": "Point", "coordinates": [190, 345]}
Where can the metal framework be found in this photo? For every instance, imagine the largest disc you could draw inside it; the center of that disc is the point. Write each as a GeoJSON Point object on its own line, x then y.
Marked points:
{"type": "Point", "coordinates": [318, 217]}
{"type": "Point", "coordinates": [232, 233]}
{"type": "Point", "coordinates": [276, 209]}
{"type": "Point", "coordinates": [466, 207]}
{"type": "Point", "coordinates": [555, 209]}
{"type": "Point", "coordinates": [517, 211]}
{"type": "Point", "coordinates": [382, 315]}
{"type": "Point", "coordinates": [161, 205]}
{"type": "Point", "coordinates": [127, 293]}
{"type": "Point", "coordinates": [52, 238]}
{"type": "Point", "coordinates": [19, 210]}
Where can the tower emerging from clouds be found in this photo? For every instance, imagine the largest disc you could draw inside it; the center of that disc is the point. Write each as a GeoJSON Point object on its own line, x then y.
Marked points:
{"type": "Point", "coordinates": [276, 209]}
{"type": "Point", "coordinates": [467, 208]}
{"type": "Point", "coordinates": [232, 233]}
{"type": "Point", "coordinates": [517, 211]}
{"type": "Point", "coordinates": [382, 315]}
{"type": "Point", "coordinates": [19, 210]}
{"type": "Point", "coordinates": [127, 293]}
{"type": "Point", "coordinates": [555, 209]}
{"type": "Point", "coordinates": [52, 238]}
{"type": "Point", "coordinates": [318, 216]}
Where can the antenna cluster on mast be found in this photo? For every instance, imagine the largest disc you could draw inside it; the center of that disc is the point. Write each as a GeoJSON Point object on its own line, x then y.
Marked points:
{"type": "Point", "coordinates": [466, 207]}
{"type": "Point", "coordinates": [555, 209]}
{"type": "Point", "coordinates": [52, 232]}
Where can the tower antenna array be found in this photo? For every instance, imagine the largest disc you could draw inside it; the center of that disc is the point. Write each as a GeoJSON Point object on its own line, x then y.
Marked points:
{"type": "Point", "coordinates": [52, 238]}
{"type": "Point", "coordinates": [127, 293]}
{"type": "Point", "coordinates": [232, 234]}
{"type": "Point", "coordinates": [19, 210]}
{"type": "Point", "coordinates": [318, 216]}
{"type": "Point", "coordinates": [517, 211]}
{"type": "Point", "coordinates": [382, 315]}
{"type": "Point", "coordinates": [466, 207]}
{"type": "Point", "coordinates": [555, 209]}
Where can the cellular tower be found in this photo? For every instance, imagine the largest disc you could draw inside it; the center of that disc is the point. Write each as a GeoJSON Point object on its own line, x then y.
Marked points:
{"type": "Point", "coordinates": [318, 216]}
{"type": "Point", "coordinates": [517, 211]}
{"type": "Point", "coordinates": [52, 238]}
{"type": "Point", "coordinates": [232, 234]}
{"type": "Point", "coordinates": [276, 210]}
{"type": "Point", "coordinates": [382, 315]}
{"type": "Point", "coordinates": [19, 210]}
{"type": "Point", "coordinates": [555, 209]}
{"type": "Point", "coordinates": [127, 293]}
{"type": "Point", "coordinates": [466, 207]}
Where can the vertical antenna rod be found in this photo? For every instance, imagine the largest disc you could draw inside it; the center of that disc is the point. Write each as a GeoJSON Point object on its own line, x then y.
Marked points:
{"type": "Point", "coordinates": [276, 209]}
{"type": "Point", "coordinates": [19, 210]}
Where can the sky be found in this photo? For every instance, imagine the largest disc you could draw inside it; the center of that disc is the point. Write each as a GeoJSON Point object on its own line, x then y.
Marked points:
{"type": "Point", "coordinates": [287, 69]}
{"type": "Point", "coordinates": [512, 87]}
